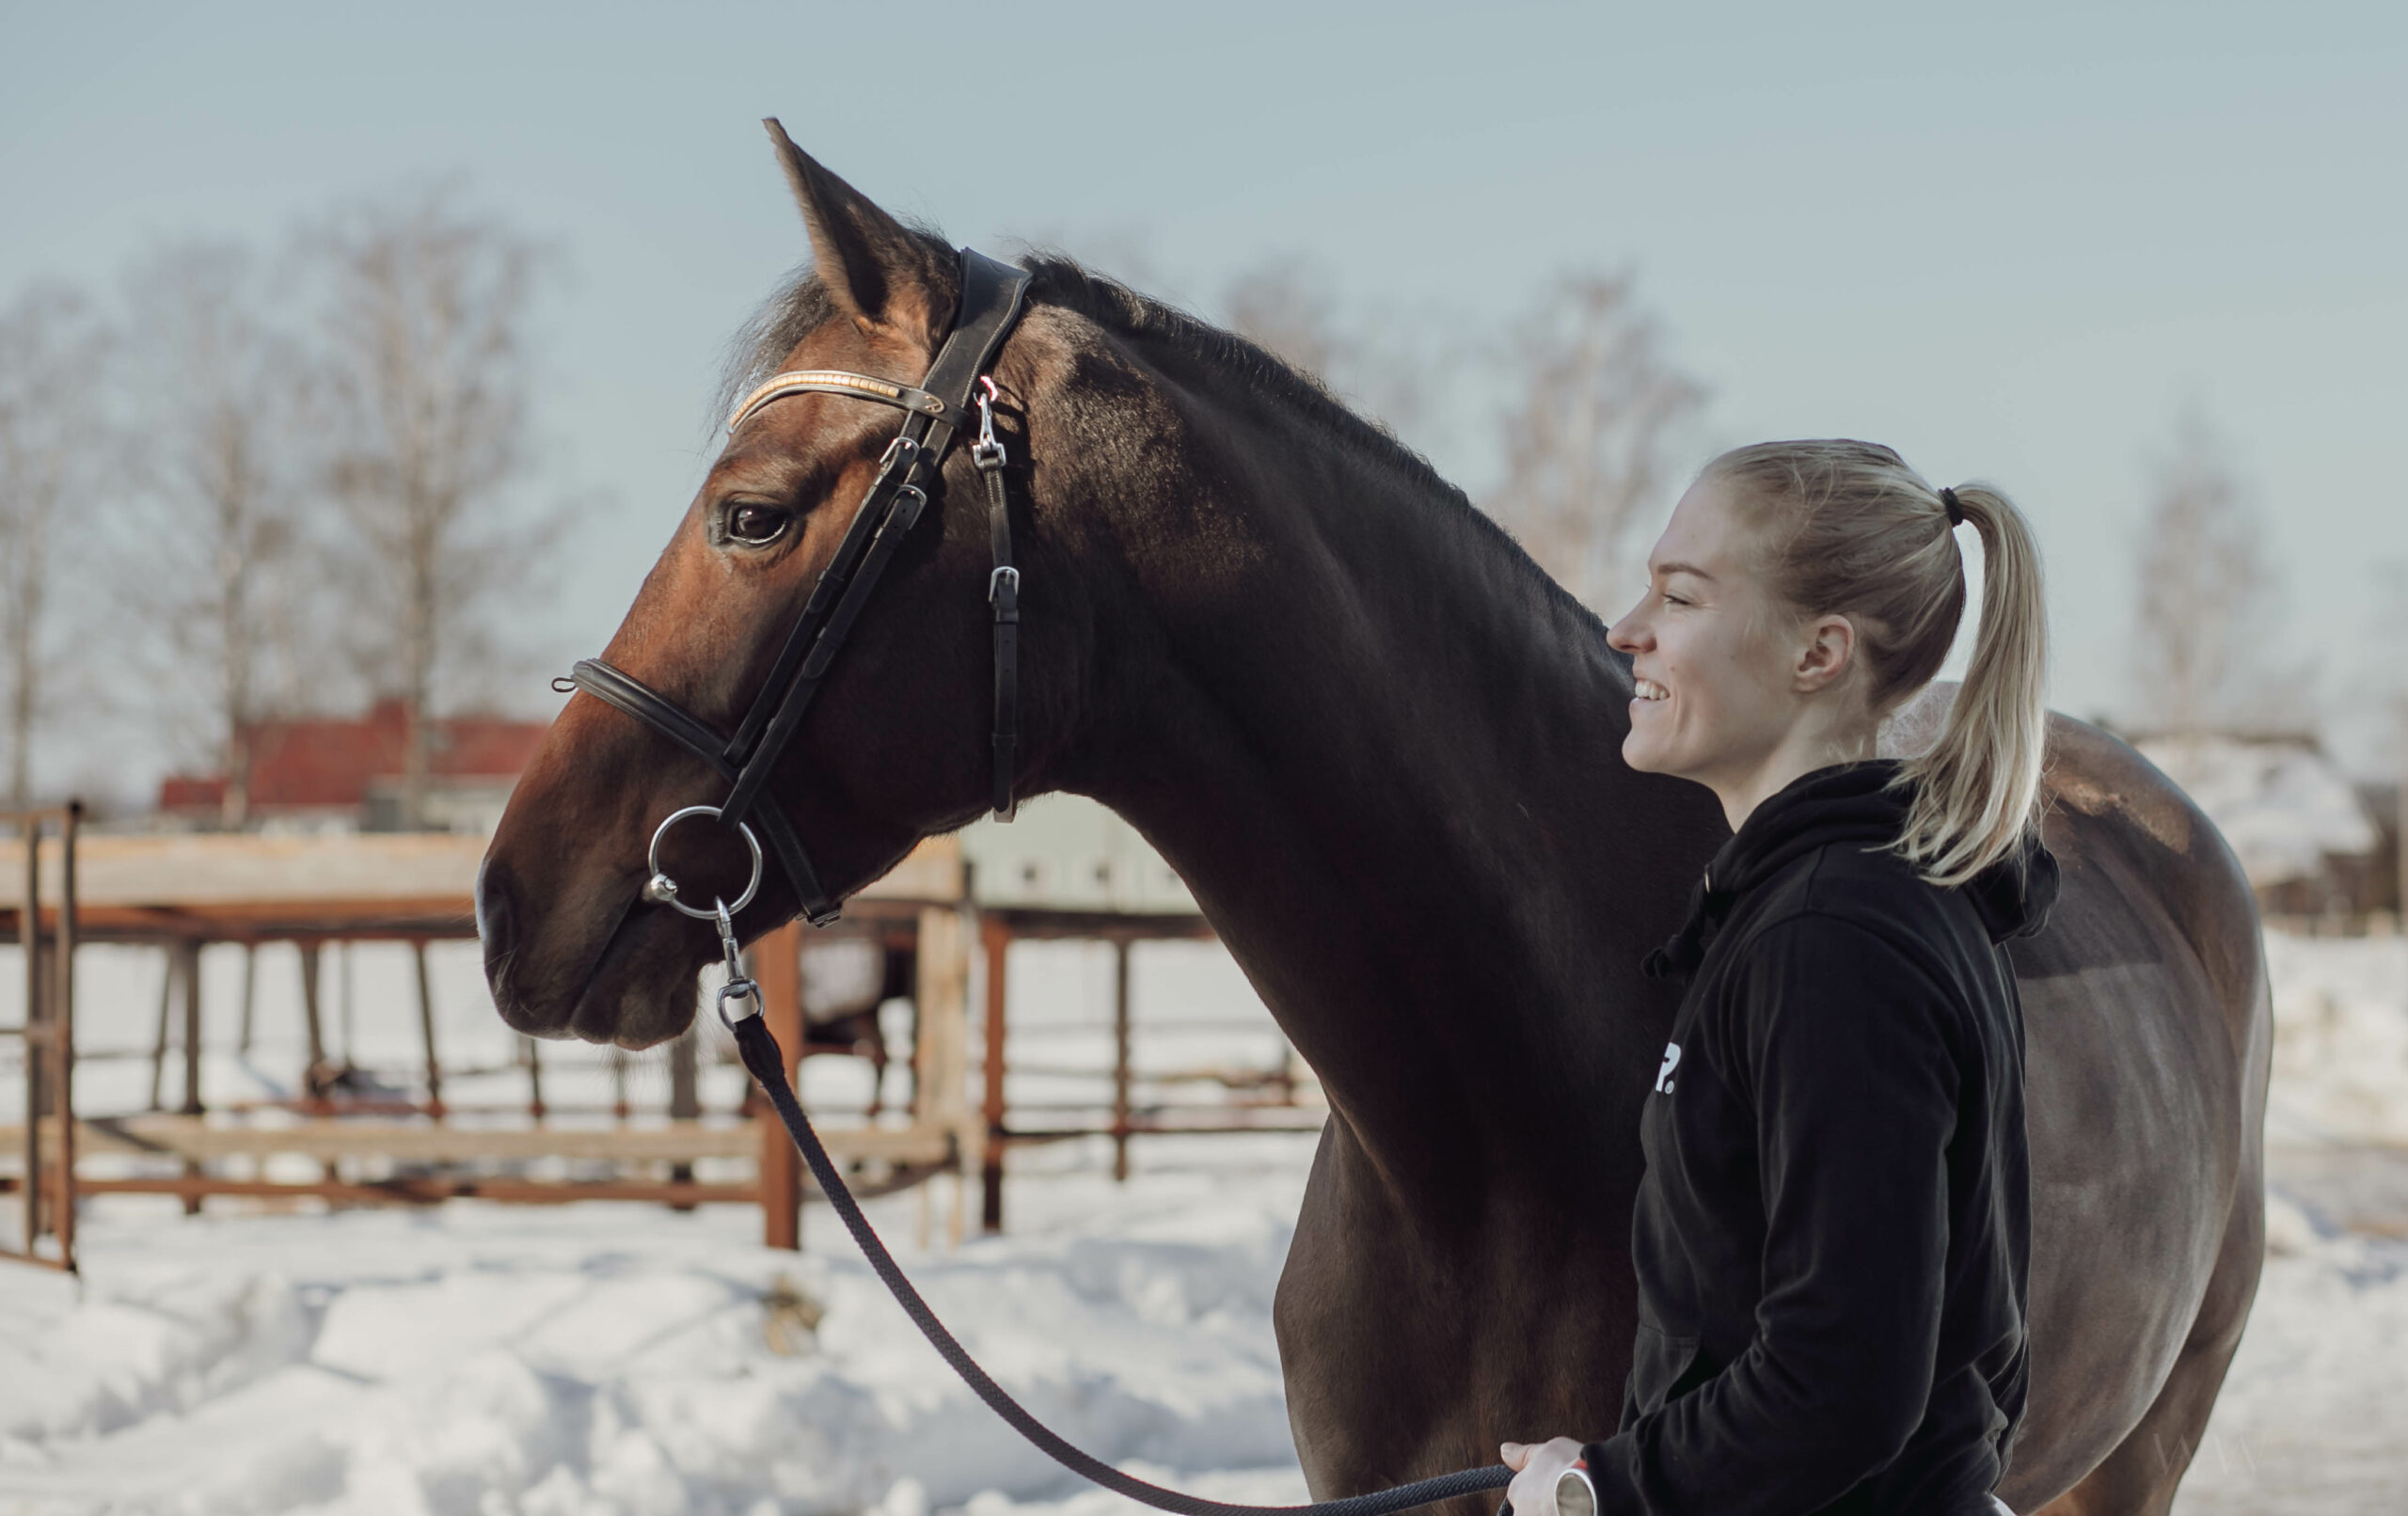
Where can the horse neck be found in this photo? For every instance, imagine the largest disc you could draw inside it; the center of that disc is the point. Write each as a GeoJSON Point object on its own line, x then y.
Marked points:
{"type": "Point", "coordinates": [1384, 753]}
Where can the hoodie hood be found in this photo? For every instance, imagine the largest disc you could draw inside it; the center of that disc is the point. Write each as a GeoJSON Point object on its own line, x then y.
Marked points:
{"type": "Point", "coordinates": [1848, 804]}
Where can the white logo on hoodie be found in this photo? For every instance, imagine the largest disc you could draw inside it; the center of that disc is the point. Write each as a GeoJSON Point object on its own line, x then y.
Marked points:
{"type": "Point", "coordinates": [1664, 1075]}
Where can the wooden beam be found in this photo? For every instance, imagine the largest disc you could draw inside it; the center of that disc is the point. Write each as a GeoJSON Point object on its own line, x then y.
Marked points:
{"type": "Point", "coordinates": [189, 953]}
{"type": "Point", "coordinates": [29, 940]}
{"type": "Point", "coordinates": [167, 1018]}
{"type": "Point", "coordinates": [777, 968]}
{"type": "Point", "coordinates": [531, 1052]}
{"type": "Point", "coordinates": [419, 1190]}
{"type": "Point", "coordinates": [941, 1052]}
{"type": "Point", "coordinates": [311, 1012]}
{"type": "Point", "coordinates": [426, 1029]}
{"type": "Point", "coordinates": [236, 886]}
{"type": "Point", "coordinates": [1120, 1128]}
{"type": "Point", "coordinates": [407, 1142]}
{"type": "Point", "coordinates": [63, 1027]}
{"type": "Point", "coordinates": [250, 995]}
{"type": "Point", "coordinates": [188, 982]}
{"type": "Point", "coordinates": [997, 936]}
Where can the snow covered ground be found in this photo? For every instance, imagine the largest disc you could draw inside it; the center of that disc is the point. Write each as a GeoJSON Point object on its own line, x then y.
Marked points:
{"type": "Point", "coordinates": [608, 1358]}
{"type": "Point", "coordinates": [625, 1359]}
{"type": "Point", "coordinates": [2313, 1419]}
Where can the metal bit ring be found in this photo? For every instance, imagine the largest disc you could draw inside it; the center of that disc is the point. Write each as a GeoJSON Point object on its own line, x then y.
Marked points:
{"type": "Point", "coordinates": [660, 888]}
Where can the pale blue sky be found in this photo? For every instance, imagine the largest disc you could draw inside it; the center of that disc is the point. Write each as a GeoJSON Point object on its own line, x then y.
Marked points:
{"type": "Point", "coordinates": [2013, 242]}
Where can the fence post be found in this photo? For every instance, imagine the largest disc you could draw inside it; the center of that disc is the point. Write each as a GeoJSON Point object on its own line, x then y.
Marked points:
{"type": "Point", "coordinates": [941, 1052]}
{"type": "Point", "coordinates": [188, 950]}
{"type": "Point", "coordinates": [250, 995]}
{"type": "Point", "coordinates": [777, 968]}
{"type": "Point", "coordinates": [29, 935]}
{"type": "Point", "coordinates": [62, 1020]}
{"type": "Point", "coordinates": [1121, 1058]}
{"type": "Point", "coordinates": [310, 1012]}
{"type": "Point", "coordinates": [997, 933]}
{"type": "Point", "coordinates": [426, 1030]}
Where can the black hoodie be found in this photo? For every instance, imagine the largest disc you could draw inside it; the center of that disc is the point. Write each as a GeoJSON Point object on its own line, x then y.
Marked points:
{"type": "Point", "coordinates": [1832, 1235]}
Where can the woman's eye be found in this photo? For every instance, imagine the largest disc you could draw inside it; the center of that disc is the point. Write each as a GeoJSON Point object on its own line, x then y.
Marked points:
{"type": "Point", "coordinates": [754, 525]}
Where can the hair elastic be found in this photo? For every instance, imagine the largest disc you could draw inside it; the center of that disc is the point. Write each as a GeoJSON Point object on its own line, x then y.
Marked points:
{"type": "Point", "coordinates": [1948, 503]}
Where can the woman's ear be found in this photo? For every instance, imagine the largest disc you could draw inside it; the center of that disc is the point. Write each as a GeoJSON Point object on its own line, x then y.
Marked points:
{"type": "Point", "coordinates": [1829, 650]}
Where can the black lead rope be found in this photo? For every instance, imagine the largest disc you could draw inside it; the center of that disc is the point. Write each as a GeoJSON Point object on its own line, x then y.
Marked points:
{"type": "Point", "coordinates": [767, 1063]}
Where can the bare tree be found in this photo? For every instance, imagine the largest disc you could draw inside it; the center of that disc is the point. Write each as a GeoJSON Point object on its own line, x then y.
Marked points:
{"type": "Point", "coordinates": [2384, 677]}
{"type": "Point", "coordinates": [1286, 305]}
{"type": "Point", "coordinates": [223, 459]}
{"type": "Point", "coordinates": [2204, 588]}
{"type": "Point", "coordinates": [425, 325]}
{"type": "Point", "coordinates": [1585, 446]}
{"type": "Point", "coordinates": [1282, 304]}
{"type": "Point", "coordinates": [52, 352]}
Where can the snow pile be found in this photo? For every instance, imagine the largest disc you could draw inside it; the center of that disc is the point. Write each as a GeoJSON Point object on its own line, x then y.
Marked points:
{"type": "Point", "coordinates": [620, 1359]}
{"type": "Point", "coordinates": [2340, 1038]}
{"type": "Point", "coordinates": [2282, 806]}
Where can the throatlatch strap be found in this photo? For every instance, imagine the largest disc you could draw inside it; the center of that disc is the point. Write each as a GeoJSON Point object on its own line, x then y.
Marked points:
{"type": "Point", "coordinates": [762, 1056]}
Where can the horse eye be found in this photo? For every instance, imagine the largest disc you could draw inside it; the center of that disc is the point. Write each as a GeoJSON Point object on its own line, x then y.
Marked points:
{"type": "Point", "coordinates": [754, 525]}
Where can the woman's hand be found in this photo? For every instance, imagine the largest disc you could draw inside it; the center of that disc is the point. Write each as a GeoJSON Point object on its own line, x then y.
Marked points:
{"type": "Point", "coordinates": [1537, 1466]}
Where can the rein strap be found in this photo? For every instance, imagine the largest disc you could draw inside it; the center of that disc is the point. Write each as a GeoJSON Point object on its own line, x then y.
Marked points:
{"type": "Point", "coordinates": [768, 1064]}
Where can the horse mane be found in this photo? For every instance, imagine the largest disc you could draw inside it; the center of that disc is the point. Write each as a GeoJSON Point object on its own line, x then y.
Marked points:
{"type": "Point", "coordinates": [802, 304]}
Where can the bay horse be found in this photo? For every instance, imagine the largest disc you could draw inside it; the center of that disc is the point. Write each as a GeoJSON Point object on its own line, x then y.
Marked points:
{"type": "Point", "coordinates": [1382, 749]}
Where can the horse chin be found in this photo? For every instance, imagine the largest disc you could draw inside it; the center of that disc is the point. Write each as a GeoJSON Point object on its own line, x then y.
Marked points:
{"type": "Point", "coordinates": [639, 1003]}
{"type": "Point", "coordinates": [637, 990]}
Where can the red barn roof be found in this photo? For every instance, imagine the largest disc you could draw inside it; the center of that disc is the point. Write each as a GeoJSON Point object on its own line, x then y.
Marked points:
{"type": "Point", "coordinates": [321, 763]}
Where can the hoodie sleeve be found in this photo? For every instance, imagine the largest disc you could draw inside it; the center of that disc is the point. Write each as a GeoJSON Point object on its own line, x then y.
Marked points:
{"type": "Point", "coordinates": [1845, 1043]}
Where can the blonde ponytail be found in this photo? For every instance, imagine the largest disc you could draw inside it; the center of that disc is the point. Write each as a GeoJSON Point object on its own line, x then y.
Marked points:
{"type": "Point", "coordinates": [1847, 526]}
{"type": "Point", "coordinates": [1977, 788]}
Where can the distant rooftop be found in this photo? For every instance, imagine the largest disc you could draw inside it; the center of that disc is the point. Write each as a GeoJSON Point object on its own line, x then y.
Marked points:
{"type": "Point", "coordinates": [351, 768]}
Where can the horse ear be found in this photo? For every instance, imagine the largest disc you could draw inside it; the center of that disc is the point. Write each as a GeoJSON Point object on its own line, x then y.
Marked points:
{"type": "Point", "coordinates": [875, 269]}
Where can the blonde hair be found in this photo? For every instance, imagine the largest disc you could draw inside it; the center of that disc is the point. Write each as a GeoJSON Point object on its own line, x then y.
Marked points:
{"type": "Point", "coordinates": [1846, 527]}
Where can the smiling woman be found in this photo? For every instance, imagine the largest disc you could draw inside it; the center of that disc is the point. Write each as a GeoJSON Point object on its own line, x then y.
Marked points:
{"type": "Point", "coordinates": [1841, 548]}
{"type": "Point", "coordinates": [1832, 1236]}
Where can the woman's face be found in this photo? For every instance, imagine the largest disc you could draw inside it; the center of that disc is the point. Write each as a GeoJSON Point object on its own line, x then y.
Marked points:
{"type": "Point", "coordinates": [1713, 653]}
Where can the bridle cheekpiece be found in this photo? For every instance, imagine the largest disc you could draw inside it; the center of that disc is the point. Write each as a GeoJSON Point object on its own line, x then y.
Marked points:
{"type": "Point", "coordinates": [936, 410]}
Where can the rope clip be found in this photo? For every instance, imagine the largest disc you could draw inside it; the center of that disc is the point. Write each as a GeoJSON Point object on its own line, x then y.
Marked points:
{"type": "Point", "coordinates": [986, 452]}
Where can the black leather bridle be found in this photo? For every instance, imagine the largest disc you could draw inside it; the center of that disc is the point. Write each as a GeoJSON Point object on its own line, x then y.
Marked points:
{"type": "Point", "coordinates": [935, 411]}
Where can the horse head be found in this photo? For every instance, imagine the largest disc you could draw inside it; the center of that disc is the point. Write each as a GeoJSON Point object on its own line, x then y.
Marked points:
{"type": "Point", "coordinates": [897, 745]}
